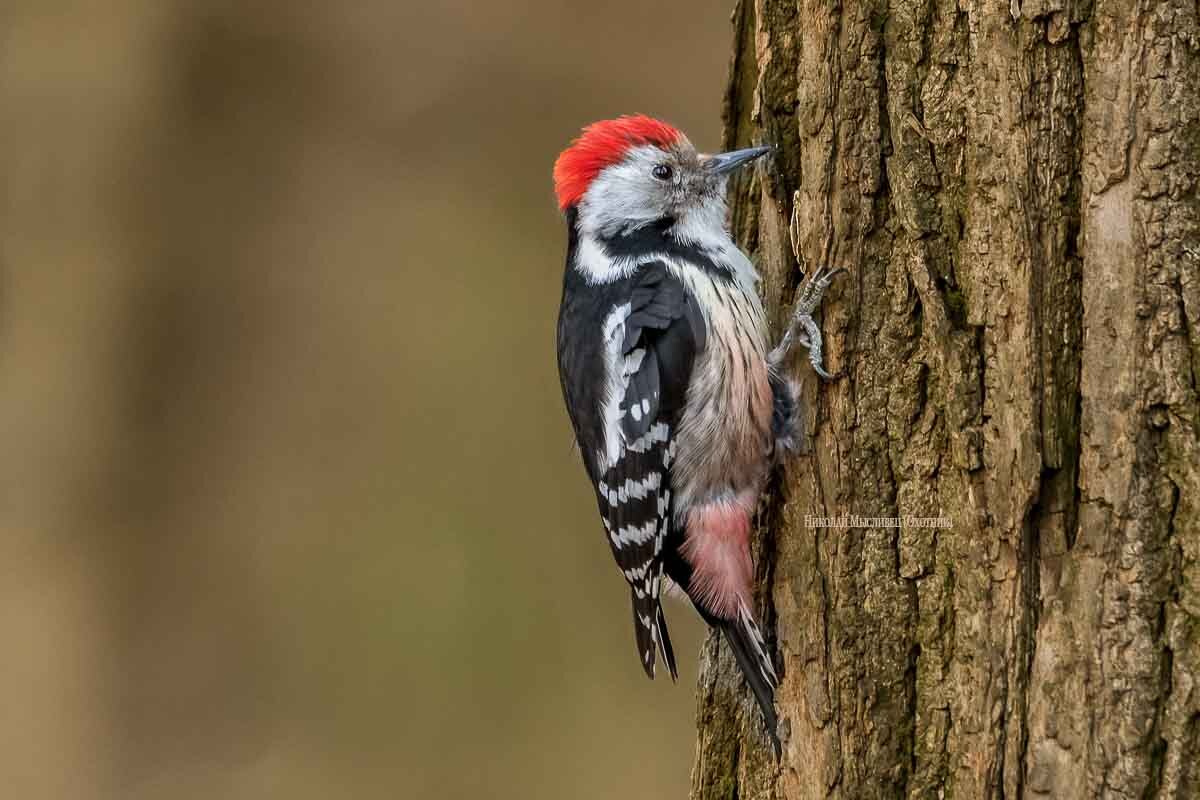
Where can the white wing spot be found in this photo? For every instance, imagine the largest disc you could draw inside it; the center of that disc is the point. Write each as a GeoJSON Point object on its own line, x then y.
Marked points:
{"type": "Point", "coordinates": [637, 573]}
{"type": "Point", "coordinates": [633, 362]}
{"type": "Point", "coordinates": [669, 456]}
{"type": "Point", "coordinates": [658, 432]}
{"type": "Point", "coordinates": [613, 332]}
{"type": "Point", "coordinates": [634, 534]}
{"type": "Point", "coordinates": [638, 490]}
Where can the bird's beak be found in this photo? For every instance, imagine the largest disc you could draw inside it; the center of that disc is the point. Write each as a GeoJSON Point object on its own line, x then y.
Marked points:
{"type": "Point", "coordinates": [725, 163]}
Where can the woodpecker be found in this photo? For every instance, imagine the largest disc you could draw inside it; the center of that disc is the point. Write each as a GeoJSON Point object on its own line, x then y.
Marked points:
{"type": "Point", "coordinates": [678, 406]}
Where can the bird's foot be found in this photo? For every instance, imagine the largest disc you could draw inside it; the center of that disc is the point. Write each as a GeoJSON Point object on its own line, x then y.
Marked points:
{"type": "Point", "coordinates": [803, 328]}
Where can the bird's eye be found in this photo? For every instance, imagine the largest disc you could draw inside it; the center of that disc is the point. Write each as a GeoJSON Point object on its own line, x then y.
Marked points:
{"type": "Point", "coordinates": [662, 172]}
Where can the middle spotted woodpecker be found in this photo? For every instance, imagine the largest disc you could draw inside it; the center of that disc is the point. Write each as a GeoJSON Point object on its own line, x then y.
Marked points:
{"type": "Point", "coordinates": [678, 406]}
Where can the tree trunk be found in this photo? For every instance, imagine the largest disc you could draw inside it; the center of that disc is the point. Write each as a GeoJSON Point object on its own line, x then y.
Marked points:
{"type": "Point", "coordinates": [1013, 191]}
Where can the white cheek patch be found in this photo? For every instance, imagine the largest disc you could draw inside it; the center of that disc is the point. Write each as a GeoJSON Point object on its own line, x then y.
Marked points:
{"type": "Point", "coordinates": [704, 226]}
{"type": "Point", "coordinates": [626, 195]}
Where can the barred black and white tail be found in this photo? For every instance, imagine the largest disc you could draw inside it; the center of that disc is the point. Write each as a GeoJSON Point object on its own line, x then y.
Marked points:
{"type": "Point", "coordinates": [650, 629]}
{"type": "Point", "coordinates": [750, 651]}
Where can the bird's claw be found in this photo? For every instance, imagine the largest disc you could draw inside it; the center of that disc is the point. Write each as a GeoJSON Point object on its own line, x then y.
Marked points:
{"type": "Point", "coordinates": [817, 368]}
{"type": "Point", "coordinates": [809, 298]}
{"type": "Point", "coordinates": [814, 289]}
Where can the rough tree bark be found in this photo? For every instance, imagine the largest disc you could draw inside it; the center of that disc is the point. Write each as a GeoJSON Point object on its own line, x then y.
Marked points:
{"type": "Point", "coordinates": [1013, 189]}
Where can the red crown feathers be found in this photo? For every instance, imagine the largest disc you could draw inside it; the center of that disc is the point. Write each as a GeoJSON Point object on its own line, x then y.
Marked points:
{"type": "Point", "coordinates": [603, 144]}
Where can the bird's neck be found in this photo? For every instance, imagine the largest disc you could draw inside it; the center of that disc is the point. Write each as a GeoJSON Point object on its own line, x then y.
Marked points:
{"type": "Point", "coordinates": [602, 253]}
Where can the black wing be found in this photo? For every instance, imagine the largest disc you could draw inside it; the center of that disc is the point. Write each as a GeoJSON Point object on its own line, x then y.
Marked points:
{"type": "Point", "coordinates": [654, 349]}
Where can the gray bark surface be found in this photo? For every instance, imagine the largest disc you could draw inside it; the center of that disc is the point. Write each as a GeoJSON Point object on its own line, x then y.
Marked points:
{"type": "Point", "coordinates": [1013, 190]}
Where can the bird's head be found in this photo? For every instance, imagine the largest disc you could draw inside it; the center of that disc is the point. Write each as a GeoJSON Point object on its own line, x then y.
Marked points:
{"type": "Point", "coordinates": [631, 171]}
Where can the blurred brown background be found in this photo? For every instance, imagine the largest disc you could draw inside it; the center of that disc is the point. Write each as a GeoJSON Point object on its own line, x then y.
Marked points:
{"type": "Point", "coordinates": [288, 503]}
